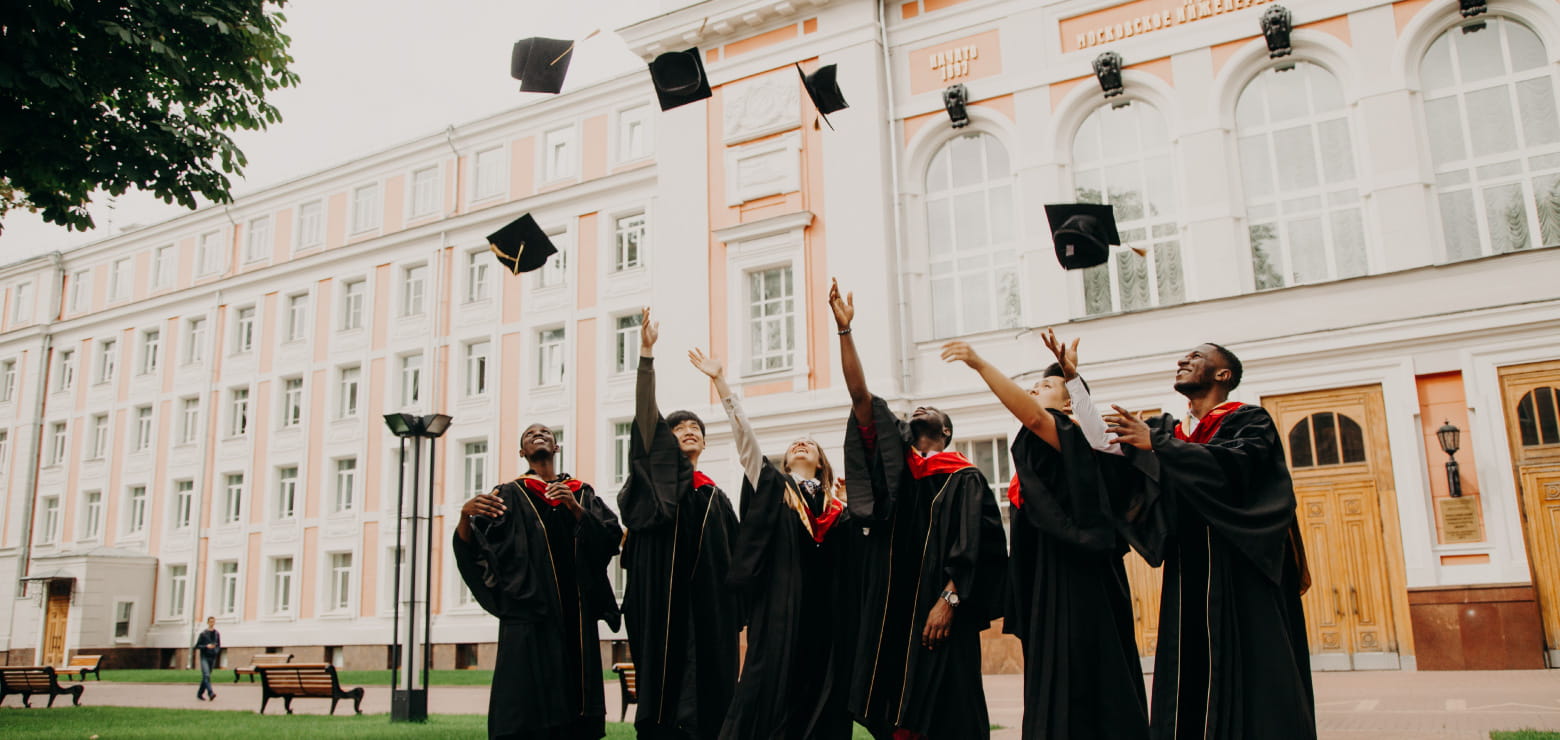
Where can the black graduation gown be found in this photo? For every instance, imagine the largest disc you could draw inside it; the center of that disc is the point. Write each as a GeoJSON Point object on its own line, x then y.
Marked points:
{"type": "Point", "coordinates": [1068, 598]}
{"type": "Point", "coordinates": [920, 533]}
{"type": "Point", "coordinates": [544, 575]}
{"type": "Point", "coordinates": [682, 619]}
{"type": "Point", "coordinates": [1232, 660]}
{"type": "Point", "coordinates": [795, 673]}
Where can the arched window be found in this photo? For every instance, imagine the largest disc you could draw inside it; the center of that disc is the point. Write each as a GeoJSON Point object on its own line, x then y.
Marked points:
{"type": "Point", "coordinates": [1121, 156]}
{"type": "Point", "coordinates": [1538, 419]}
{"type": "Point", "coordinates": [1297, 164]}
{"type": "Point", "coordinates": [971, 239]}
{"type": "Point", "coordinates": [1326, 438]}
{"type": "Point", "coordinates": [1494, 139]}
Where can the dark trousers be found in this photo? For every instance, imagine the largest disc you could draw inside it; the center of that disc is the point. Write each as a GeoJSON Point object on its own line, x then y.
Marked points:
{"type": "Point", "coordinates": [206, 664]}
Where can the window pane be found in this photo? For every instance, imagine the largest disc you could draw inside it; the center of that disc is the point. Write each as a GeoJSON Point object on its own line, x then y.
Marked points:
{"type": "Point", "coordinates": [969, 218]}
{"type": "Point", "coordinates": [1326, 438]}
{"type": "Point", "coordinates": [1507, 218]}
{"type": "Point", "coordinates": [1459, 224]}
{"type": "Point", "coordinates": [1352, 440]}
{"type": "Point", "coordinates": [966, 159]}
{"type": "Point", "coordinates": [1442, 118]}
{"type": "Point", "coordinates": [1540, 122]}
{"type": "Point", "coordinates": [1479, 56]}
{"type": "Point", "coordinates": [1300, 445]}
{"type": "Point", "coordinates": [1489, 119]}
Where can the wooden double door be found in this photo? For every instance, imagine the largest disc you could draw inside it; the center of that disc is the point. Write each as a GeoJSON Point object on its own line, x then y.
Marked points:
{"type": "Point", "coordinates": [1335, 442]}
{"type": "Point", "coordinates": [56, 617]}
{"type": "Point", "coordinates": [1531, 396]}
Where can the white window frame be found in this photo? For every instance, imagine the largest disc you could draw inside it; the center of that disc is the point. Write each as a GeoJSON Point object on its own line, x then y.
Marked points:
{"type": "Point", "coordinates": [91, 515]}
{"type": "Point", "coordinates": [244, 320]}
{"type": "Point", "coordinates": [479, 362]}
{"type": "Point", "coordinates": [366, 205]}
{"type": "Point", "coordinates": [552, 346]}
{"type": "Point", "coordinates": [65, 378]}
{"type": "Point", "coordinates": [238, 411]}
{"type": "Point", "coordinates": [479, 282]}
{"type": "Point", "coordinates": [232, 499]}
{"type": "Point", "coordinates": [227, 585]}
{"type": "Point", "coordinates": [195, 339]}
{"type": "Point", "coordinates": [757, 361]}
{"type": "Point", "coordinates": [625, 342]}
{"type": "Point", "coordinates": [7, 380]}
{"type": "Point", "coordinates": [413, 374]}
{"type": "Point", "coordinates": [292, 401]}
{"type": "Point", "coordinates": [22, 311]}
{"type": "Point", "coordinates": [121, 275]}
{"type": "Point", "coordinates": [258, 249]}
{"type": "Point", "coordinates": [297, 317]}
{"type": "Point", "coordinates": [310, 231]}
{"type": "Point", "coordinates": [416, 210]}
{"type": "Point", "coordinates": [107, 360]}
{"type": "Point", "coordinates": [344, 488]}
{"type": "Point", "coordinates": [286, 502]}
{"type": "Point", "coordinates": [99, 438]}
{"type": "Point", "coordinates": [80, 282]}
{"type": "Point", "coordinates": [136, 507]}
{"type": "Point", "coordinates": [620, 432]}
{"type": "Point", "coordinates": [59, 435]}
{"type": "Point", "coordinates": [622, 149]}
{"type": "Point", "coordinates": [414, 290]}
{"type": "Point", "coordinates": [620, 263]}
{"type": "Point", "coordinates": [210, 253]}
{"type": "Point", "coordinates": [489, 173]}
{"type": "Point", "coordinates": [178, 590]}
{"type": "Point", "coordinates": [49, 520]}
{"type": "Point", "coordinates": [124, 621]}
{"type": "Point", "coordinates": [555, 272]}
{"type": "Point", "coordinates": [142, 440]}
{"type": "Point", "coordinates": [183, 504]}
{"type": "Point", "coordinates": [189, 420]}
{"type": "Point", "coordinates": [151, 350]}
{"type": "Point", "coordinates": [474, 468]}
{"type": "Point", "coordinates": [349, 391]}
{"type": "Point", "coordinates": [353, 304]}
{"type": "Point", "coordinates": [165, 265]}
{"type": "Point", "coordinates": [565, 165]}
{"type": "Point", "coordinates": [340, 590]}
{"type": "Point", "coordinates": [946, 262]}
{"type": "Point", "coordinates": [280, 587]}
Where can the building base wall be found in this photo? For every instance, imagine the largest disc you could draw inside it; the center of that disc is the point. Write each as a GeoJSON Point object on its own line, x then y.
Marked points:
{"type": "Point", "coordinates": [1476, 628]}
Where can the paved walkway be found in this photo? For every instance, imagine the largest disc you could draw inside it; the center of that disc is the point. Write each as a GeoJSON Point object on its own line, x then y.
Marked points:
{"type": "Point", "coordinates": [1365, 705]}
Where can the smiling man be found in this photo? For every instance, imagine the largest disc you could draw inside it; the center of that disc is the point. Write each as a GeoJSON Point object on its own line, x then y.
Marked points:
{"type": "Point", "coordinates": [682, 619]}
{"type": "Point", "coordinates": [1232, 660]}
{"type": "Point", "coordinates": [534, 553]}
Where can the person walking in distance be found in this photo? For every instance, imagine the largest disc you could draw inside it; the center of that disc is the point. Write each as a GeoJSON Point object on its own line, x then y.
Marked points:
{"type": "Point", "coordinates": [208, 647]}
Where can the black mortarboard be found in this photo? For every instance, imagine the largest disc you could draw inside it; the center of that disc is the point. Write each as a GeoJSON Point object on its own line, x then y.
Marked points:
{"type": "Point", "coordinates": [521, 246]}
{"type": "Point", "coordinates": [679, 78]}
{"type": "Point", "coordinates": [1082, 233]}
{"type": "Point", "coordinates": [824, 90]}
{"type": "Point", "coordinates": [540, 64]}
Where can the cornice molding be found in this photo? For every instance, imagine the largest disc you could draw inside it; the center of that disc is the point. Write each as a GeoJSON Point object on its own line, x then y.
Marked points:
{"type": "Point", "coordinates": [713, 23]}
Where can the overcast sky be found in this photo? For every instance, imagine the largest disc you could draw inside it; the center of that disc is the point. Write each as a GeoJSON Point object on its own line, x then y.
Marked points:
{"type": "Point", "coordinates": [376, 73]}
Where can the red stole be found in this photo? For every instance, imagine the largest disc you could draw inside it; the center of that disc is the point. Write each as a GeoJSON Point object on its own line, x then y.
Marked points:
{"type": "Point", "coordinates": [1208, 425]}
{"type": "Point", "coordinates": [825, 521]}
{"type": "Point", "coordinates": [1015, 492]}
{"type": "Point", "coordinates": [701, 480]}
{"type": "Point", "coordinates": [539, 487]}
{"type": "Point", "coordinates": [938, 464]}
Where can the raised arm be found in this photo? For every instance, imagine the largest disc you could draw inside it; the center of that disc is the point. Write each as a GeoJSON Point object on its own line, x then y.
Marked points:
{"type": "Point", "coordinates": [855, 378]}
{"type": "Point", "coordinates": [646, 412]}
{"type": "Point", "coordinates": [1090, 422]}
{"type": "Point", "coordinates": [748, 450]}
{"type": "Point", "coordinates": [1023, 406]}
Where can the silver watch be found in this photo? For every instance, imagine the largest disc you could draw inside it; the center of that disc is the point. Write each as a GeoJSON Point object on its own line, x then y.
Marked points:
{"type": "Point", "coordinates": [952, 597]}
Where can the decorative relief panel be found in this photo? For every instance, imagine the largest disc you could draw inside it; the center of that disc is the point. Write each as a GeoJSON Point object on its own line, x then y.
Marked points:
{"type": "Point", "coordinates": [769, 167]}
{"type": "Point", "coordinates": [762, 105]}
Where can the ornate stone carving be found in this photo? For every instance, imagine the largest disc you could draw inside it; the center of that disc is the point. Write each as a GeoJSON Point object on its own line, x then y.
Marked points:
{"type": "Point", "coordinates": [762, 105]}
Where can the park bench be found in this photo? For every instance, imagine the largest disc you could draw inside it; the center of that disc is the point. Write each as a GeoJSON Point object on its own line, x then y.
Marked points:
{"type": "Point", "coordinates": [304, 680]}
{"type": "Point", "coordinates": [81, 665]}
{"type": "Point", "coordinates": [626, 683]}
{"type": "Point", "coordinates": [262, 659]}
{"type": "Point", "coordinates": [39, 679]}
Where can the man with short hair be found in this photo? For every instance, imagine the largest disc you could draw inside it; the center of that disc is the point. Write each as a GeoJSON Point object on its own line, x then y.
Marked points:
{"type": "Point", "coordinates": [534, 553]}
{"type": "Point", "coordinates": [1232, 659]}
{"type": "Point", "coordinates": [682, 619]}
{"type": "Point", "coordinates": [932, 564]}
{"type": "Point", "coordinates": [208, 647]}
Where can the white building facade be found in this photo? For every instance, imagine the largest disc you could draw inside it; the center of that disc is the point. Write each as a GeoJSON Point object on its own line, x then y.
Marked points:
{"type": "Point", "coordinates": [192, 411]}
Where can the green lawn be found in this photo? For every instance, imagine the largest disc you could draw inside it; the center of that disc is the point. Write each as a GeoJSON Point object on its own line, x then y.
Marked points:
{"type": "Point", "coordinates": [1525, 735]}
{"type": "Point", "coordinates": [354, 678]}
{"type": "Point", "coordinates": [127, 723]}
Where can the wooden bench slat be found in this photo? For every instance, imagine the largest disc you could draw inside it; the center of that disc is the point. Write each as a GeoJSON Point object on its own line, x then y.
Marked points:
{"type": "Point", "coordinates": [310, 680]}
{"type": "Point", "coordinates": [29, 680]}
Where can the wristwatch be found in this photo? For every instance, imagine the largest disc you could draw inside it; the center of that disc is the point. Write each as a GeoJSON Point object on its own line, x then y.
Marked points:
{"type": "Point", "coordinates": [952, 597]}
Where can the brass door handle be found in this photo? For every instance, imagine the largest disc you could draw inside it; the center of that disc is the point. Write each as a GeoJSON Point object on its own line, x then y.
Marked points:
{"type": "Point", "coordinates": [1337, 602]}
{"type": "Point", "coordinates": [1354, 599]}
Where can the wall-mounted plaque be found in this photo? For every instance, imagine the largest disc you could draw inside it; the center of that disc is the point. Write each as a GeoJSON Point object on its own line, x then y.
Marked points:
{"type": "Point", "coordinates": [1460, 520]}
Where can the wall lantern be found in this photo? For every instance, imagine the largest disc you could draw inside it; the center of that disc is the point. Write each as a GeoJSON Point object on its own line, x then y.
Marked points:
{"type": "Point", "coordinates": [1448, 436]}
{"type": "Point", "coordinates": [954, 99]}
{"type": "Point", "coordinates": [1107, 68]}
{"type": "Point", "coordinates": [1471, 8]}
{"type": "Point", "coordinates": [1276, 26]}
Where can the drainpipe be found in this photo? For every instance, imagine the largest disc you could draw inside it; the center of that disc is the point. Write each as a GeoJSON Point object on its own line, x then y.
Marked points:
{"type": "Point", "coordinates": [40, 406]}
{"type": "Point", "coordinates": [906, 336]}
{"type": "Point", "coordinates": [202, 474]}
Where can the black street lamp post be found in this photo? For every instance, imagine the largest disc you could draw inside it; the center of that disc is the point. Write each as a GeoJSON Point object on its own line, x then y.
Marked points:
{"type": "Point", "coordinates": [1448, 436]}
{"type": "Point", "coordinates": [409, 700]}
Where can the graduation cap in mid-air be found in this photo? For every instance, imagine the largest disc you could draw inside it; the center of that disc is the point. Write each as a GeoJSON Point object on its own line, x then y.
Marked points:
{"type": "Point", "coordinates": [521, 246]}
{"type": "Point", "coordinates": [823, 88]}
{"type": "Point", "coordinates": [541, 63]}
{"type": "Point", "coordinates": [679, 78]}
{"type": "Point", "coordinates": [1082, 233]}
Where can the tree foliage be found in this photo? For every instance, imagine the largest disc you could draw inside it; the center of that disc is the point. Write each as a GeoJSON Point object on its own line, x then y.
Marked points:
{"type": "Point", "coordinates": [115, 94]}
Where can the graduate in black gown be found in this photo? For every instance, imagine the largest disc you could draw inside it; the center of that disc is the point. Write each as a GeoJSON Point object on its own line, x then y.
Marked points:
{"type": "Point", "coordinates": [682, 619]}
{"type": "Point", "coordinates": [931, 567]}
{"type": "Point", "coordinates": [1232, 660]}
{"type": "Point", "coordinates": [789, 569]}
{"type": "Point", "coordinates": [1068, 599]}
{"type": "Point", "coordinates": [534, 553]}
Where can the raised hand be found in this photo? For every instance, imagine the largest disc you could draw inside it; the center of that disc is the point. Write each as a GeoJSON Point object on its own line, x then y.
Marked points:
{"type": "Point", "coordinates": [844, 308]}
{"type": "Point", "coordinates": [1129, 429]}
{"type": "Point", "coordinates": [1066, 354]}
{"type": "Point", "coordinates": [961, 352]}
{"type": "Point", "coordinates": [708, 364]}
{"type": "Point", "coordinates": [649, 332]}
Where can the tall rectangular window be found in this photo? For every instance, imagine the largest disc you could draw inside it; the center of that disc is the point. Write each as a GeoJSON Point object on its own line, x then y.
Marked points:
{"type": "Point", "coordinates": [66, 379]}
{"type": "Point", "coordinates": [258, 245]}
{"type": "Point", "coordinates": [352, 294]}
{"type": "Point", "coordinates": [195, 340]}
{"type": "Point", "coordinates": [23, 309]}
{"type": "Point", "coordinates": [142, 440]}
{"type": "Point", "coordinates": [183, 504]}
{"type": "Point", "coordinates": [80, 290]}
{"type": "Point", "coordinates": [634, 134]}
{"type": "Point", "coordinates": [292, 402]}
{"type": "Point", "coordinates": [629, 240]}
{"type": "Point", "coordinates": [151, 350]}
{"type": "Point", "coordinates": [549, 356]}
{"type": "Point", "coordinates": [414, 286]}
{"type": "Point", "coordinates": [164, 262]}
{"type": "Point", "coordinates": [189, 420]}
{"type": "Point", "coordinates": [92, 509]}
{"type": "Point", "coordinates": [286, 491]}
{"type": "Point", "coordinates": [244, 329]}
{"type": "Point", "coordinates": [625, 342]}
{"type": "Point", "coordinates": [107, 360]}
{"type": "Point", "coordinates": [99, 438]}
{"type": "Point", "coordinates": [477, 367]}
{"type": "Point", "coordinates": [122, 613]}
{"type": "Point", "coordinates": [5, 449]}
{"type": "Point", "coordinates": [475, 460]}
{"type": "Point", "coordinates": [311, 225]}
{"type": "Point", "coordinates": [411, 379]}
{"type": "Point", "coordinates": [281, 585]}
{"type": "Point", "coordinates": [119, 274]}
{"type": "Point", "coordinates": [771, 320]}
{"type": "Point", "coordinates": [491, 170]}
{"type": "Point", "coordinates": [477, 275]}
{"type": "Point", "coordinates": [135, 518]}
{"type": "Point", "coordinates": [209, 253]}
{"type": "Point", "coordinates": [227, 588]}
{"type": "Point", "coordinates": [49, 520]}
{"type": "Point", "coordinates": [297, 316]}
{"type": "Point", "coordinates": [425, 192]}
{"type": "Point", "coordinates": [7, 380]}
{"type": "Point", "coordinates": [233, 498]}
{"type": "Point", "coordinates": [621, 436]}
{"type": "Point", "coordinates": [178, 588]}
{"type": "Point", "coordinates": [365, 208]}
{"type": "Point", "coordinates": [347, 392]}
{"type": "Point", "coordinates": [346, 484]}
{"type": "Point", "coordinates": [559, 153]}
{"type": "Point", "coordinates": [59, 442]}
{"type": "Point", "coordinates": [238, 412]}
{"type": "Point", "coordinates": [340, 581]}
